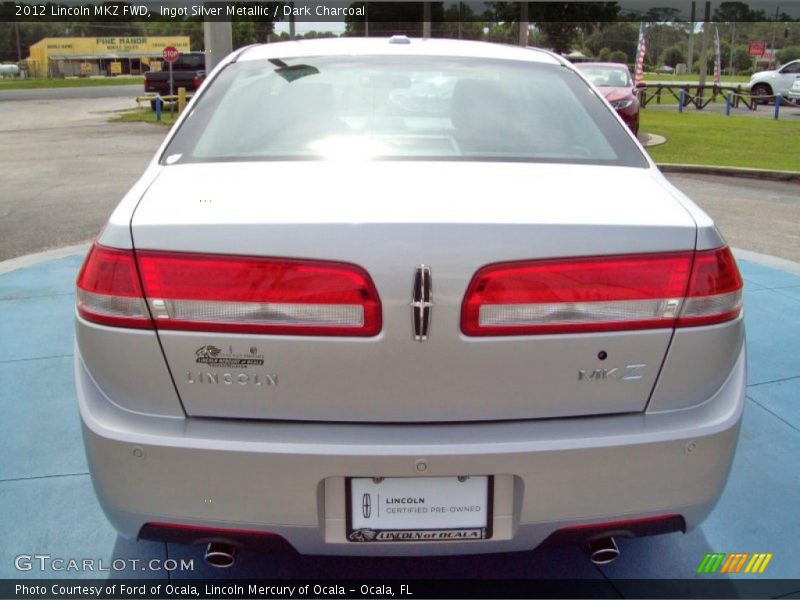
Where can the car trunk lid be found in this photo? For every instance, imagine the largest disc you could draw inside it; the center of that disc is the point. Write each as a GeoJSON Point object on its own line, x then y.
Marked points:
{"type": "Point", "coordinates": [390, 218]}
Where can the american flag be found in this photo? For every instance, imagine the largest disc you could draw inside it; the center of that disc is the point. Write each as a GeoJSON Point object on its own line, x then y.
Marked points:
{"type": "Point", "coordinates": [640, 52]}
{"type": "Point", "coordinates": [717, 57]}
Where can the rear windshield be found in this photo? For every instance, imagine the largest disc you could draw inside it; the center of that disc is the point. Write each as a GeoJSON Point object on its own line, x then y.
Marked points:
{"type": "Point", "coordinates": [388, 107]}
{"type": "Point", "coordinates": [190, 62]}
{"type": "Point", "coordinates": [607, 76]}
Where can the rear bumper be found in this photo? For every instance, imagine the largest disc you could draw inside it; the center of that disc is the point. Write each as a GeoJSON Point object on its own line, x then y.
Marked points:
{"type": "Point", "coordinates": [288, 478]}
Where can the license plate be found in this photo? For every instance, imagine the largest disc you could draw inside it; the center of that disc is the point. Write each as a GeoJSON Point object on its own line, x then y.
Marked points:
{"type": "Point", "coordinates": [419, 509]}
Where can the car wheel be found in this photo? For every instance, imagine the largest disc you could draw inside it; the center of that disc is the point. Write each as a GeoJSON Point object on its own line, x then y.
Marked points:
{"type": "Point", "coordinates": [761, 89]}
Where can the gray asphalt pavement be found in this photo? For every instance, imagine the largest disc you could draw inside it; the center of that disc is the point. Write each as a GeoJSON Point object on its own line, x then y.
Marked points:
{"type": "Point", "coordinates": [100, 91]}
{"type": "Point", "coordinates": [65, 168]}
{"type": "Point", "coordinates": [757, 215]}
{"type": "Point", "coordinates": [790, 112]}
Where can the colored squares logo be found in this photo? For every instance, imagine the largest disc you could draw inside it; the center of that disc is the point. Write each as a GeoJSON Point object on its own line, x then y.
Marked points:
{"type": "Point", "coordinates": [737, 562]}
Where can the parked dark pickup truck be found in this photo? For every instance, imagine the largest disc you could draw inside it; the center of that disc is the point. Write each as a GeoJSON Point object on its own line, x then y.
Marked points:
{"type": "Point", "coordinates": [187, 72]}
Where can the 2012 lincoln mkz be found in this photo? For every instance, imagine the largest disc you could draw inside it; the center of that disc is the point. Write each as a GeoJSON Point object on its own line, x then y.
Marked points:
{"type": "Point", "coordinates": [406, 297]}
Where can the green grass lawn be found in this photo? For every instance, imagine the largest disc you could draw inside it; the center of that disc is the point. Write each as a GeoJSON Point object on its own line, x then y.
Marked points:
{"type": "Point", "coordinates": [145, 115]}
{"type": "Point", "coordinates": [29, 84]}
{"type": "Point", "coordinates": [692, 138]}
{"type": "Point", "coordinates": [694, 77]}
{"type": "Point", "coordinates": [710, 139]}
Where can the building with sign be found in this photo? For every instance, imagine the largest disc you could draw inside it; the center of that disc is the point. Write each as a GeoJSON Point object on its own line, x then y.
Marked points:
{"type": "Point", "coordinates": [76, 56]}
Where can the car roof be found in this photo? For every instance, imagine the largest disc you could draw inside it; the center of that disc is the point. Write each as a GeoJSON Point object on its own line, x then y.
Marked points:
{"type": "Point", "coordinates": [602, 64]}
{"type": "Point", "coordinates": [397, 45]}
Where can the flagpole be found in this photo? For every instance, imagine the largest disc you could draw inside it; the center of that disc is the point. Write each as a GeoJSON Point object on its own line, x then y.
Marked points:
{"type": "Point", "coordinates": [641, 50]}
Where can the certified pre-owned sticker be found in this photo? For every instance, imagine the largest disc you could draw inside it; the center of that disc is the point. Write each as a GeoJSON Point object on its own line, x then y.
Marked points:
{"type": "Point", "coordinates": [215, 357]}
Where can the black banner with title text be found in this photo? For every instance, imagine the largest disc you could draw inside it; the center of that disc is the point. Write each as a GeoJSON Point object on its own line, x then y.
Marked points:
{"type": "Point", "coordinates": [120, 11]}
{"type": "Point", "coordinates": [411, 589]}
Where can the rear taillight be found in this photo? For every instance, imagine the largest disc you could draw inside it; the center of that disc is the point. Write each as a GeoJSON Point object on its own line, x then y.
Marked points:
{"type": "Point", "coordinates": [608, 293]}
{"type": "Point", "coordinates": [242, 294]}
{"type": "Point", "coordinates": [197, 81]}
{"type": "Point", "coordinates": [235, 294]}
{"type": "Point", "coordinates": [715, 290]}
{"type": "Point", "coordinates": [108, 289]}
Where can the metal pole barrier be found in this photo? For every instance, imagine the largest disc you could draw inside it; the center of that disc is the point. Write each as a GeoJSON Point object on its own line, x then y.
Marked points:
{"type": "Point", "coordinates": [728, 102]}
{"type": "Point", "coordinates": [171, 91]}
{"type": "Point", "coordinates": [681, 99]}
{"type": "Point", "coordinates": [181, 99]}
{"type": "Point", "coordinates": [158, 108]}
{"type": "Point", "coordinates": [777, 106]}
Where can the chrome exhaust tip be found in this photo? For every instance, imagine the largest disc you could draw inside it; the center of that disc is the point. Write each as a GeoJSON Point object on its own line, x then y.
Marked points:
{"type": "Point", "coordinates": [220, 555]}
{"type": "Point", "coordinates": [602, 551]}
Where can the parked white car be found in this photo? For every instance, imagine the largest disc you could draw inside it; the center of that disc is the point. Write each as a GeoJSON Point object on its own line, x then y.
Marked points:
{"type": "Point", "coordinates": [780, 81]}
{"type": "Point", "coordinates": [794, 92]}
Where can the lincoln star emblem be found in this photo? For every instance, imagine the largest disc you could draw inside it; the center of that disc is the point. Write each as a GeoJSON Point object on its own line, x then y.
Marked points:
{"type": "Point", "coordinates": [422, 303]}
{"type": "Point", "coordinates": [366, 505]}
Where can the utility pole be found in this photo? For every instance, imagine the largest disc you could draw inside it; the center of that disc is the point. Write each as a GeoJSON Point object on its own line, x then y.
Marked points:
{"type": "Point", "coordinates": [733, 38]}
{"type": "Point", "coordinates": [704, 53]}
{"type": "Point", "coordinates": [19, 47]}
{"type": "Point", "coordinates": [690, 62]}
{"type": "Point", "coordinates": [774, 27]}
{"type": "Point", "coordinates": [218, 40]}
{"type": "Point", "coordinates": [523, 25]}
{"type": "Point", "coordinates": [426, 20]}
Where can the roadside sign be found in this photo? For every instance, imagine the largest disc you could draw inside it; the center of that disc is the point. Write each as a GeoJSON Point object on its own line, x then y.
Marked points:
{"type": "Point", "coordinates": [757, 48]}
{"type": "Point", "coordinates": [170, 54]}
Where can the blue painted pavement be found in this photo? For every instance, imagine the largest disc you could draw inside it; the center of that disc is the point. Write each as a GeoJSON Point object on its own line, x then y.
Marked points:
{"type": "Point", "coordinates": [49, 507]}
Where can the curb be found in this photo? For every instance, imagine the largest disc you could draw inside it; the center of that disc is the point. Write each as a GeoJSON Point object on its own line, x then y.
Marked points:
{"type": "Point", "coordinates": [730, 172]}
{"type": "Point", "coordinates": [767, 260]}
{"type": "Point", "coordinates": [28, 260]}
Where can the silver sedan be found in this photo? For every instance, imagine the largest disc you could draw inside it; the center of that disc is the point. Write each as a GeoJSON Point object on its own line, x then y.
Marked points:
{"type": "Point", "coordinates": [404, 297]}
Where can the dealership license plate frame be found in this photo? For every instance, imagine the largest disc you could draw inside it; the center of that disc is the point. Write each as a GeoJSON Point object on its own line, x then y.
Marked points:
{"type": "Point", "coordinates": [485, 531]}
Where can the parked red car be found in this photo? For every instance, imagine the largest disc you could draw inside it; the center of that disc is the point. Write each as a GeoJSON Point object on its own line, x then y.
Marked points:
{"type": "Point", "coordinates": [615, 82]}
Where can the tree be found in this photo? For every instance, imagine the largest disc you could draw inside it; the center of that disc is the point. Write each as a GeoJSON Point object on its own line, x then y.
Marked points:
{"type": "Point", "coordinates": [391, 18]}
{"type": "Point", "coordinates": [741, 58]}
{"type": "Point", "coordinates": [661, 36]}
{"type": "Point", "coordinates": [244, 34]}
{"type": "Point", "coordinates": [562, 22]}
{"type": "Point", "coordinates": [661, 14]}
{"type": "Point", "coordinates": [459, 22]}
{"type": "Point", "coordinates": [673, 55]}
{"type": "Point", "coordinates": [737, 12]}
{"type": "Point", "coordinates": [614, 36]}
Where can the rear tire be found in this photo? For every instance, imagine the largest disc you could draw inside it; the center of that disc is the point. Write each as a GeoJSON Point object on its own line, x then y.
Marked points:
{"type": "Point", "coordinates": [761, 89]}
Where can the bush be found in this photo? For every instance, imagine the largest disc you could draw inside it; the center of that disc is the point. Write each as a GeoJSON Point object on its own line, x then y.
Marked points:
{"type": "Point", "coordinates": [603, 55]}
{"type": "Point", "coordinates": [618, 56]}
{"type": "Point", "coordinates": [788, 54]}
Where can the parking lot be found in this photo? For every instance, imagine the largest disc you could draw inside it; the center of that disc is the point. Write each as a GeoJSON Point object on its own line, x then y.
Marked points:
{"type": "Point", "coordinates": [66, 168]}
